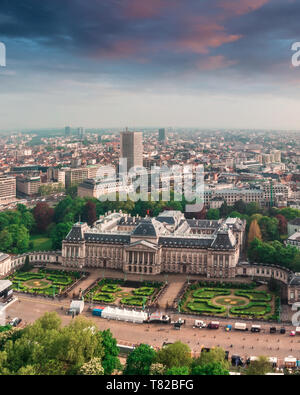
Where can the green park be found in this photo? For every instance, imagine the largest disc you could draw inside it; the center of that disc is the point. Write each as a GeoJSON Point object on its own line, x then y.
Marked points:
{"type": "Point", "coordinates": [44, 282]}
{"type": "Point", "coordinates": [241, 300]}
{"type": "Point", "coordinates": [122, 292]}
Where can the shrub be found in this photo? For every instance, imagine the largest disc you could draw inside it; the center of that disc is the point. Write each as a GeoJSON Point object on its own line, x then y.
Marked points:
{"type": "Point", "coordinates": [144, 291]}
{"type": "Point", "coordinates": [104, 297]}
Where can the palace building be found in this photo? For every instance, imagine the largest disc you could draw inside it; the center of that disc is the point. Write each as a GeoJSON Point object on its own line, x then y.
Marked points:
{"type": "Point", "coordinates": [168, 243]}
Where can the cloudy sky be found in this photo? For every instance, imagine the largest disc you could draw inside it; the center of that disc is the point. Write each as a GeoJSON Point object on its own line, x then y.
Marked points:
{"type": "Point", "coordinates": [117, 63]}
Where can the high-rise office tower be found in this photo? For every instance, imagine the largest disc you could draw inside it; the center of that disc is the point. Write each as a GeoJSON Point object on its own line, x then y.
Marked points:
{"type": "Point", "coordinates": [80, 132]}
{"type": "Point", "coordinates": [132, 148]}
{"type": "Point", "coordinates": [67, 131]}
{"type": "Point", "coordinates": [162, 135]}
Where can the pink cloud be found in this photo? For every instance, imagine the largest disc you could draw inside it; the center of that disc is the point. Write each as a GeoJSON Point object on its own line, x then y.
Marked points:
{"type": "Point", "coordinates": [122, 49]}
{"type": "Point", "coordinates": [240, 7]}
{"type": "Point", "coordinates": [141, 9]}
{"type": "Point", "coordinates": [204, 36]}
{"type": "Point", "coordinates": [214, 63]}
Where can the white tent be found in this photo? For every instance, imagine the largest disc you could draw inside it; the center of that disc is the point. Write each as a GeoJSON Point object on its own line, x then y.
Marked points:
{"type": "Point", "coordinates": [124, 315]}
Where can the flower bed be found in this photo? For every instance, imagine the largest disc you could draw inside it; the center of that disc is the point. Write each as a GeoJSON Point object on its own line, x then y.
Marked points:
{"type": "Point", "coordinates": [255, 296]}
{"type": "Point", "coordinates": [117, 291]}
{"type": "Point", "coordinates": [104, 297]}
{"type": "Point", "coordinates": [253, 309]}
{"type": "Point", "coordinates": [110, 288]}
{"type": "Point", "coordinates": [133, 301]}
{"type": "Point", "coordinates": [242, 301]}
{"type": "Point", "coordinates": [205, 306]}
{"type": "Point", "coordinates": [44, 282]}
{"type": "Point", "coordinates": [210, 293]}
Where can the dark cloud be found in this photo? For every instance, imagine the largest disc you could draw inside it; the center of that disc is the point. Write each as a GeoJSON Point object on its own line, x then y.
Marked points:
{"type": "Point", "coordinates": [155, 37]}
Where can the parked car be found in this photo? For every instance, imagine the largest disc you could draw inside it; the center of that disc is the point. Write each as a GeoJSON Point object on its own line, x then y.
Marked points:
{"type": "Point", "coordinates": [15, 321]}
{"type": "Point", "coordinates": [255, 328]}
{"type": "Point", "coordinates": [273, 329]}
{"type": "Point", "coordinates": [213, 325]}
{"type": "Point", "coordinates": [292, 333]}
{"type": "Point", "coordinates": [199, 324]}
{"type": "Point", "coordinates": [282, 331]}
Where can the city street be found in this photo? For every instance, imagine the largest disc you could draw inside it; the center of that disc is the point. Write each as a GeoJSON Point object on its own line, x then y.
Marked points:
{"type": "Point", "coordinates": [240, 343]}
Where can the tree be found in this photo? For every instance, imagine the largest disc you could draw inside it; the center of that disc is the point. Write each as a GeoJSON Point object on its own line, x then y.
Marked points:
{"type": "Point", "coordinates": [20, 237]}
{"type": "Point", "coordinates": [254, 232]}
{"type": "Point", "coordinates": [253, 208]}
{"type": "Point", "coordinates": [259, 367]}
{"type": "Point", "coordinates": [213, 214]}
{"type": "Point", "coordinates": [59, 233]}
{"type": "Point", "coordinates": [43, 215]}
{"type": "Point", "coordinates": [157, 369]}
{"type": "Point", "coordinates": [289, 213]}
{"type": "Point", "coordinates": [6, 240]}
{"type": "Point", "coordinates": [224, 210]}
{"type": "Point", "coordinates": [89, 213]}
{"type": "Point", "coordinates": [47, 348]}
{"type": "Point", "coordinates": [92, 368]}
{"type": "Point", "coordinates": [210, 369]}
{"type": "Point", "coordinates": [282, 224]}
{"type": "Point", "coordinates": [269, 228]}
{"type": "Point", "coordinates": [72, 191]}
{"type": "Point", "coordinates": [240, 206]}
{"type": "Point", "coordinates": [110, 360]}
{"type": "Point", "coordinates": [140, 360]}
{"type": "Point", "coordinates": [178, 371]}
{"type": "Point", "coordinates": [175, 355]}
{"type": "Point", "coordinates": [214, 356]}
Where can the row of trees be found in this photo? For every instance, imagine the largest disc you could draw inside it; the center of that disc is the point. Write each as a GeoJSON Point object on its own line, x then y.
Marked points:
{"type": "Point", "coordinates": [175, 359]}
{"type": "Point", "coordinates": [274, 252]}
{"type": "Point", "coordinates": [48, 348]}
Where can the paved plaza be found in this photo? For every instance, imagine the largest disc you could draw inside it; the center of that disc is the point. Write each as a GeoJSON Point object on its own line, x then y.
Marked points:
{"type": "Point", "coordinates": [241, 343]}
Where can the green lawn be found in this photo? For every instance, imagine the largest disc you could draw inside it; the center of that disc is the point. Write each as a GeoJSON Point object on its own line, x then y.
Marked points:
{"type": "Point", "coordinates": [41, 243]}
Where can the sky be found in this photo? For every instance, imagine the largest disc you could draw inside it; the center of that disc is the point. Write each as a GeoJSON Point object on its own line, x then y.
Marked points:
{"type": "Point", "coordinates": [152, 63]}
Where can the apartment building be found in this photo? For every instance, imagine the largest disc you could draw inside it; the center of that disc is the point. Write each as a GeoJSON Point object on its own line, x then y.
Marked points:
{"type": "Point", "coordinates": [7, 188]}
{"type": "Point", "coordinates": [233, 195]}
{"type": "Point", "coordinates": [78, 175]}
{"type": "Point", "coordinates": [28, 186]}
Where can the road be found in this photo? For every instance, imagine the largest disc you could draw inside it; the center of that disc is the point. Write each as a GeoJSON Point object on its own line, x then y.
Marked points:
{"type": "Point", "coordinates": [241, 343]}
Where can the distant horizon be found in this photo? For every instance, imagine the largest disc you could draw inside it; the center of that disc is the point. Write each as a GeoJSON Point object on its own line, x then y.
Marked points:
{"type": "Point", "coordinates": [116, 129]}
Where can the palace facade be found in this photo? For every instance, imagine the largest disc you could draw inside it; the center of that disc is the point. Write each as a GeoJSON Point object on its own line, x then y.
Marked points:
{"type": "Point", "coordinates": [169, 243]}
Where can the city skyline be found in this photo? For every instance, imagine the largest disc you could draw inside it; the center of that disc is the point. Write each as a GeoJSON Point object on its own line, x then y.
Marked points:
{"type": "Point", "coordinates": [214, 64]}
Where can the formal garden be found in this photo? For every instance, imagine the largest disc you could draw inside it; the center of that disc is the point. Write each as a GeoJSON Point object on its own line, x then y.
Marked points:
{"type": "Point", "coordinates": [231, 300]}
{"type": "Point", "coordinates": [121, 292]}
{"type": "Point", "coordinates": [45, 282]}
